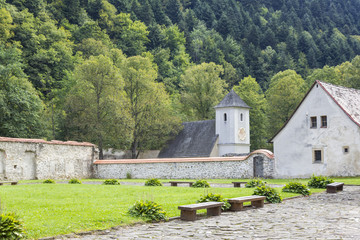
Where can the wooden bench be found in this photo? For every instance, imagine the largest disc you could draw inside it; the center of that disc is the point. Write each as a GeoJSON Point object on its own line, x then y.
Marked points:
{"type": "Point", "coordinates": [334, 187]}
{"type": "Point", "coordinates": [175, 183]}
{"type": "Point", "coordinates": [238, 184]}
{"type": "Point", "coordinates": [188, 212]}
{"type": "Point", "coordinates": [11, 182]}
{"type": "Point", "coordinates": [237, 204]}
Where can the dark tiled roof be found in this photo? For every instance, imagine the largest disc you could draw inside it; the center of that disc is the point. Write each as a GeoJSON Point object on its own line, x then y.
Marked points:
{"type": "Point", "coordinates": [232, 100]}
{"type": "Point", "coordinates": [197, 139]}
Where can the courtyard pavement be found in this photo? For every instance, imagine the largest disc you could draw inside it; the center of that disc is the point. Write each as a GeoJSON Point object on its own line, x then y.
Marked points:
{"type": "Point", "coordinates": [320, 216]}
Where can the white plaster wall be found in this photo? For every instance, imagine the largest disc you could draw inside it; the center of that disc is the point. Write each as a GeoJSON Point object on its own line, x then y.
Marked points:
{"type": "Point", "coordinates": [293, 146]}
{"type": "Point", "coordinates": [179, 170]}
{"type": "Point", "coordinates": [229, 141]}
{"type": "Point", "coordinates": [40, 161]}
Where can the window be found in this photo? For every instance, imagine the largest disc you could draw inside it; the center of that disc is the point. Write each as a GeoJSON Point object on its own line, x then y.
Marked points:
{"type": "Point", "coordinates": [324, 121]}
{"type": "Point", "coordinates": [318, 156]}
{"type": "Point", "coordinates": [346, 149]}
{"type": "Point", "coordinates": [225, 117]}
{"type": "Point", "coordinates": [241, 117]}
{"type": "Point", "coordinates": [313, 122]}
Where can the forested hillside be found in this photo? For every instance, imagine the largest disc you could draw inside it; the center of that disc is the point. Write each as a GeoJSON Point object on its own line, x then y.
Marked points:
{"type": "Point", "coordinates": [125, 73]}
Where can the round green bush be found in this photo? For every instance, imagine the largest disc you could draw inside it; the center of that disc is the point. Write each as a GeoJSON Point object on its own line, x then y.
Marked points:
{"type": "Point", "coordinates": [271, 194]}
{"type": "Point", "coordinates": [74, 181]}
{"type": "Point", "coordinates": [255, 183]}
{"type": "Point", "coordinates": [153, 182]}
{"type": "Point", "coordinates": [111, 182]}
{"type": "Point", "coordinates": [319, 181]}
{"type": "Point", "coordinates": [49, 181]}
{"type": "Point", "coordinates": [10, 227]}
{"type": "Point", "coordinates": [295, 187]}
{"type": "Point", "coordinates": [200, 184]}
{"type": "Point", "coordinates": [148, 210]}
{"type": "Point", "coordinates": [215, 198]}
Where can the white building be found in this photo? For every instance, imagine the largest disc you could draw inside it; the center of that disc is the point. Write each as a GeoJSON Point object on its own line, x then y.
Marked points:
{"type": "Point", "coordinates": [228, 134]}
{"type": "Point", "coordinates": [322, 136]}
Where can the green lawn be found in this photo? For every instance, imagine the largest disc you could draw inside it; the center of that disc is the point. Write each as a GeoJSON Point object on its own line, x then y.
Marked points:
{"type": "Point", "coordinates": [54, 209]}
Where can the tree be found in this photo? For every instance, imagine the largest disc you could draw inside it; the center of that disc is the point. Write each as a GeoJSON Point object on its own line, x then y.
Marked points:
{"type": "Point", "coordinates": [250, 91]}
{"type": "Point", "coordinates": [202, 89]}
{"type": "Point", "coordinates": [95, 107]}
{"type": "Point", "coordinates": [149, 105]}
{"type": "Point", "coordinates": [21, 109]}
{"type": "Point", "coordinates": [283, 95]}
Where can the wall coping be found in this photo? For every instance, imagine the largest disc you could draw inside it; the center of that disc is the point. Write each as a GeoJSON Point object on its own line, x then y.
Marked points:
{"type": "Point", "coordinates": [265, 152]}
{"type": "Point", "coordinates": [52, 142]}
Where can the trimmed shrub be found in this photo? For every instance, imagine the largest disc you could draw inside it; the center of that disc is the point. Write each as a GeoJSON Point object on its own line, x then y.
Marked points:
{"type": "Point", "coordinates": [10, 227]}
{"type": "Point", "coordinates": [210, 197]}
{"type": "Point", "coordinates": [111, 182]}
{"type": "Point", "coordinates": [271, 194]}
{"type": "Point", "coordinates": [295, 187]}
{"type": "Point", "coordinates": [74, 181]}
{"type": "Point", "coordinates": [255, 183]}
{"type": "Point", "coordinates": [49, 181]}
{"type": "Point", "coordinates": [148, 210]}
{"type": "Point", "coordinates": [319, 181]}
{"type": "Point", "coordinates": [201, 184]}
{"type": "Point", "coordinates": [153, 182]}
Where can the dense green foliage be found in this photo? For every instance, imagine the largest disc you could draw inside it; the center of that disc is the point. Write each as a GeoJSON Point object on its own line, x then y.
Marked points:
{"type": "Point", "coordinates": [271, 194]}
{"type": "Point", "coordinates": [296, 187]}
{"type": "Point", "coordinates": [319, 181]}
{"type": "Point", "coordinates": [111, 182]}
{"type": "Point", "coordinates": [51, 181]}
{"type": "Point", "coordinates": [254, 183]}
{"type": "Point", "coordinates": [200, 184]}
{"type": "Point", "coordinates": [74, 181]}
{"type": "Point", "coordinates": [11, 227]}
{"type": "Point", "coordinates": [124, 74]}
{"type": "Point", "coordinates": [153, 182]}
{"type": "Point", "coordinates": [210, 197]}
{"type": "Point", "coordinates": [148, 210]}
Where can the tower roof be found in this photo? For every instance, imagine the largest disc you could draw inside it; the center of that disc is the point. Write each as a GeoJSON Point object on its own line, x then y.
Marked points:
{"type": "Point", "coordinates": [232, 100]}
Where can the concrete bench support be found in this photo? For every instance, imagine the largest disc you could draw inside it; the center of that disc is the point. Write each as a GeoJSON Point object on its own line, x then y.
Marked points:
{"type": "Point", "coordinates": [188, 212]}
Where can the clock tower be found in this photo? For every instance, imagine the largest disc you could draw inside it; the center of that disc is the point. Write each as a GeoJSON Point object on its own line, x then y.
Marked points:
{"type": "Point", "coordinates": [232, 125]}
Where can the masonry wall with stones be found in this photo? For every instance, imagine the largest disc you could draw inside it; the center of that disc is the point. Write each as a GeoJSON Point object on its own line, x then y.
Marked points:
{"type": "Point", "coordinates": [178, 168]}
{"type": "Point", "coordinates": [26, 159]}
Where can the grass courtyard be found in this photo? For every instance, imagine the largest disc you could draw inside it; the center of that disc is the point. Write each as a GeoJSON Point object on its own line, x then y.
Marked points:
{"type": "Point", "coordinates": [55, 209]}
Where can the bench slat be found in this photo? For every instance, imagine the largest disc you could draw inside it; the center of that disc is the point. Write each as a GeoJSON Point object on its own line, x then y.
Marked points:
{"type": "Point", "coordinates": [247, 198]}
{"type": "Point", "coordinates": [197, 206]}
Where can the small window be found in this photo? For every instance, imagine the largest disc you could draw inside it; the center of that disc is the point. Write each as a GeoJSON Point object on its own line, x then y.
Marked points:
{"type": "Point", "coordinates": [324, 121]}
{"type": "Point", "coordinates": [241, 117]}
{"type": "Point", "coordinates": [225, 117]}
{"type": "Point", "coordinates": [346, 150]}
{"type": "Point", "coordinates": [313, 122]}
{"type": "Point", "coordinates": [318, 156]}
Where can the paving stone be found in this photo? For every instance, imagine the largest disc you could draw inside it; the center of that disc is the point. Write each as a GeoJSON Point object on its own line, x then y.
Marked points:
{"type": "Point", "coordinates": [320, 216]}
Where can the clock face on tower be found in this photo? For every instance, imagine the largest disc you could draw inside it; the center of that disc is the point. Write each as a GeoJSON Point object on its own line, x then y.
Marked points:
{"type": "Point", "coordinates": [242, 134]}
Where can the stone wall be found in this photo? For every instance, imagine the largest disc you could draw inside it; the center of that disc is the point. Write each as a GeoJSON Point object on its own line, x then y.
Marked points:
{"type": "Point", "coordinates": [25, 159]}
{"type": "Point", "coordinates": [177, 168]}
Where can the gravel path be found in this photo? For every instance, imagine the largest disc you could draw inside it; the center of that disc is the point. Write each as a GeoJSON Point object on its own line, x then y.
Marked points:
{"type": "Point", "coordinates": [320, 216]}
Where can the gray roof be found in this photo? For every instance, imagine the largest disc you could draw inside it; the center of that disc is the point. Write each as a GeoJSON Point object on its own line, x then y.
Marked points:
{"type": "Point", "coordinates": [197, 139]}
{"type": "Point", "coordinates": [347, 98]}
{"type": "Point", "coordinates": [232, 100]}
